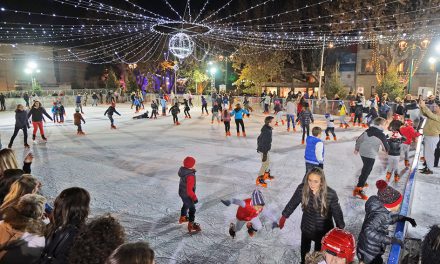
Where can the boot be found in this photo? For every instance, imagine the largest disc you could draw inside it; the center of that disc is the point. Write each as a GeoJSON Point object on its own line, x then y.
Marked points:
{"type": "Point", "coordinates": [358, 192]}
{"type": "Point", "coordinates": [189, 117]}
{"type": "Point", "coordinates": [267, 176]}
{"type": "Point", "coordinates": [238, 134]}
{"type": "Point", "coordinates": [282, 122]}
{"type": "Point", "coordinates": [212, 122]}
{"type": "Point", "coordinates": [193, 227]}
{"type": "Point", "coordinates": [260, 181]}
{"type": "Point", "coordinates": [26, 145]}
{"type": "Point", "coordinates": [232, 230]}
{"type": "Point", "coordinates": [426, 171]}
{"type": "Point", "coordinates": [334, 138]}
{"type": "Point", "coordinates": [302, 142]}
{"type": "Point", "coordinates": [244, 134]}
{"type": "Point", "coordinates": [183, 219]}
{"type": "Point", "coordinates": [396, 177]}
{"type": "Point", "coordinates": [288, 129]}
{"type": "Point", "coordinates": [177, 123]}
{"type": "Point", "coordinates": [251, 230]}
{"type": "Point", "coordinates": [43, 137]}
{"type": "Point", "coordinates": [346, 126]}
{"type": "Point", "coordinates": [186, 117]}
{"type": "Point", "coordinates": [388, 176]}
{"type": "Point", "coordinates": [406, 163]}
{"type": "Point", "coordinates": [276, 123]}
{"type": "Point", "coordinates": [327, 138]}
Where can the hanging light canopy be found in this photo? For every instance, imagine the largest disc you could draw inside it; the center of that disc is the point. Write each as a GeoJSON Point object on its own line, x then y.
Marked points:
{"type": "Point", "coordinates": [181, 45]}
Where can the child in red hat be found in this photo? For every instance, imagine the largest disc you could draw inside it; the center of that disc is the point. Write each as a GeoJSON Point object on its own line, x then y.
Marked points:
{"type": "Point", "coordinates": [187, 189]}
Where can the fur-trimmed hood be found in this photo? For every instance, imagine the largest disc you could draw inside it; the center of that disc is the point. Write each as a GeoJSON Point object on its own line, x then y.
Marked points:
{"type": "Point", "coordinates": [23, 223]}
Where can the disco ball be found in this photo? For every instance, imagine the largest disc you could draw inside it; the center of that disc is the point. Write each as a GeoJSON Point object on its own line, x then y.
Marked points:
{"type": "Point", "coordinates": [181, 45]}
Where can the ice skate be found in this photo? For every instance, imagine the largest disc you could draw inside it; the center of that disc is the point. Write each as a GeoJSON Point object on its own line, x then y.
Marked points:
{"type": "Point", "coordinates": [244, 134]}
{"type": "Point", "coordinates": [302, 142]}
{"type": "Point", "coordinates": [276, 123]}
{"type": "Point", "coordinates": [82, 133]}
{"type": "Point", "coordinates": [238, 134]}
{"type": "Point", "coordinates": [406, 163]}
{"type": "Point", "coordinates": [334, 138]}
{"type": "Point", "coordinates": [346, 126]}
{"type": "Point", "coordinates": [260, 182]}
{"type": "Point", "coordinates": [282, 122]}
{"type": "Point", "coordinates": [294, 130]}
{"type": "Point", "coordinates": [26, 145]}
{"type": "Point", "coordinates": [44, 139]}
{"type": "Point", "coordinates": [388, 176]}
{"type": "Point", "coordinates": [327, 138]}
{"type": "Point", "coordinates": [186, 117]}
{"type": "Point", "coordinates": [177, 123]}
{"type": "Point", "coordinates": [341, 125]}
{"type": "Point", "coordinates": [366, 185]}
{"type": "Point", "coordinates": [426, 171]}
{"type": "Point", "coordinates": [193, 227]}
{"type": "Point", "coordinates": [189, 117]}
{"type": "Point", "coordinates": [113, 127]}
{"type": "Point", "coordinates": [396, 178]}
{"type": "Point", "coordinates": [232, 230]}
{"type": "Point", "coordinates": [183, 219]}
{"type": "Point", "coordinates": [359, 193]}
{"type": "Point", "coordinates": [212, 122]}
{"type": "Point", "coordinates": [251, 230]}
{"type": "Point", "coordinates": [288, 129]}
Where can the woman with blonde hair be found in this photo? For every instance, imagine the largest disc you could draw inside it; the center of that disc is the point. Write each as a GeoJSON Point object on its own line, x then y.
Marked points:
{"type": "Point", "coordinates": [24, 185]}
{"type": "Point", "coordinates": [8, 160]}
{"type": "Point", "coordinates": [320, 206]}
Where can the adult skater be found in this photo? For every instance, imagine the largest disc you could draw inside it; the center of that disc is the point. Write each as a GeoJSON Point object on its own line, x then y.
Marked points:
{"type": "Point", "coordinates": [248, 212]}
{"type": "Point", "coordinates": [367, 146]}
{"type": "Point", "coordinates": [186, 108]}
{"type": "Point", "coordinates": [215, 112]}
{"type": "Point", "coordinates": [174, 110]}
{"type": "Point", "coordinates": [431, 133]}
{"type": "Point", "coordinates": [238, 113]}
{"type": "Point", "coordinates": [264, 144]}
{"type": "Point", "coordinates": [305, 117]}
{"type": "Point", "coordinates": [26, 99]}
{"type": "Point", "coordinates": [154, 109]}
{"type": "Point", "coordinates": [21, 122]}
{"type": "Point", "coordinates": [78, 102]}
{"type": "Point", "coordinates": [2, 102]}
{"type": "Point", "coordinates": [290, 114]}
{"type": "Point", "coordinates": [320, 206]}
{"type": "Point", "coordinates": [226, 117]}
{"type": "Point", "coordinates": [187, 188]}
{"type": "Point", "coordinates": [95, 99]}
{"type": "Point", "coordinates": [204, 105]}
{"type": "Point", "coordinates": [373, 237]}
{"type": "Point", "coordinates": [109, 113]}
{"type": "Point", "coordinates": [37, 112]}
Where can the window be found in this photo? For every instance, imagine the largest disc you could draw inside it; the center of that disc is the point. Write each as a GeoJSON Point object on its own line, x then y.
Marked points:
{"type": "Point", "coordinates": [366, 66]}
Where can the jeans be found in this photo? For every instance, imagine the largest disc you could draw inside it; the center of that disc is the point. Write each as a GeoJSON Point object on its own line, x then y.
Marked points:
{"type": "Point", "coordinates": [78, 105]}
{"type": "Point", "coordinates": [186, 112]}
{"type": "Point", "coordinates": [111, 119]}
{"type": "Point", "coordinates": [227, 126]}
{"type": "Point", "coordinates": [188, 205]}
{"type": "Point", "coordinates": [305, 128]}
{"type": "Point", "coordinates": [366, 170]}
{"type": "Point", "coordinates": [290, 118]}
{"type": "Point", "coordinates": [310, 166]}
{"type": "Point", "coordinates": [430, 146]}
{"type": "Point", "coordinates": [215, 115]}
{"type": "Point", "coordinates": [239, 122]}
{"type": "Point", "coordinates": [79, 128]}
{"type": "Point", "coordinates": [175, 119]}
{"type": "Point", "coordinates": [16, 130]}
{"type": "Point", "coordinates": [95, 102]}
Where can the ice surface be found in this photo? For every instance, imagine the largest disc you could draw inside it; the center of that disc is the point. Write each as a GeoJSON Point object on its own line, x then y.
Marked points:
{"type": "Point", "coordinates": [131, 172]}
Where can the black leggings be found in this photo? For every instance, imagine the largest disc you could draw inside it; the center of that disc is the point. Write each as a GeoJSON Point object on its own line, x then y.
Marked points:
{"type": "Point", "coordinates": [16, 130]}
{"type": "Point", "coordinates": [175, 119]}
{"type": "Point", "coordinates": [358, 118]}
{"type": "Point", "coordinates": [306, 244]}
{"type": "Point", "coordinates": [331, 130]}
{"type": "Point", "coordinates": [304, 129]}
{"type": "Point", "coordinates": [366, 170]}
{"type": "Point", "coordinates": [186, 112]}
{"type": "Point", "coordinates": [205, 107]}
{"type": "Point", "coordinates": [227, 126]}
{"type": "Point", "coordinates": [154, 113]}
{"type": "Point", "coordinates": [239, 122]}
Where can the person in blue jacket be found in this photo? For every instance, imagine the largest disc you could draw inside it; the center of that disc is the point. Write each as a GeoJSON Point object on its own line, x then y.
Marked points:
{"type": "Point", "coordinates": [78, 102]}
{"type": "Point", "coordinates": [314, 152]}
{"type": "Point", "coordinates": [238, 113]}
{"type": "Point", "coordinates": [163, 103]}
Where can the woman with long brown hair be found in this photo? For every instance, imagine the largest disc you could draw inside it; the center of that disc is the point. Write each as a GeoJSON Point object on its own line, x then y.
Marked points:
{"type": "Point", "coordinates": [37, 111]}
{"type": "Point", "coordinates": [26, 184]}
{"type": "Point", "coordinates": [320, 207]}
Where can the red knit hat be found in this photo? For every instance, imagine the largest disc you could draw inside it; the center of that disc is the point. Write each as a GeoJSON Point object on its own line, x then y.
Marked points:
{"type": "Point", "coordinates": [189, 162]}
{"type": "Point", "coordinates": [389, 196]}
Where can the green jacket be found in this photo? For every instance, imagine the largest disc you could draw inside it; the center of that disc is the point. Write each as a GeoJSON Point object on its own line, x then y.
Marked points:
{"type": "Point", "coordinates": [432, 125]}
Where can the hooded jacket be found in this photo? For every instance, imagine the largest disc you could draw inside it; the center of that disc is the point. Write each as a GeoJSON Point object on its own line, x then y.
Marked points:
{"type": "Point", "coordinates": [409, 133]}
{"type": "Point", "coordinates": [432, 126]}
{"type": "Point", "coordinates": [312, 221]}
{"type": "Point", "coordinates": [373, 237]}
{"type": "Point", "coordinates": [37, 114]}
{"type": "Point", "coordinates": [248, 212]}
{"type": "Point", "coordinates": [187, 184]}
{"type": "Point", "coordinates": [21, 119]}
{"type": "Point", "coordinates": [111, 110]}
{"type": "Point", "coordinates": [395, 145]}
{"type": "Point", "coordinates": [368, 143]}
{"type": "Point", "coordinates": [238, 113]}
{"type": "Point", "coordinates": [305, 117]}
{"type": "Point", "coordinates": [264, 140]}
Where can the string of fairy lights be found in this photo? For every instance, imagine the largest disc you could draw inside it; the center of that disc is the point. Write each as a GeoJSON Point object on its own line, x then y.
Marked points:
{"type": "Point", "coordinates": [131, 33]}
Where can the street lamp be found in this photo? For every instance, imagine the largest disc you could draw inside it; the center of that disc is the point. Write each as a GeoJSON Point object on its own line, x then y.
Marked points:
{"type": "Point", "coordinates": [433, 61]}
{"type": "Point", "coordinates": [212, 70]}
{"type": "Point", "coordinates": [32, 68]}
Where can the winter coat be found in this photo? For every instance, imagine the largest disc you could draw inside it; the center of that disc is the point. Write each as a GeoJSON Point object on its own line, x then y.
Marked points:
{"type": "Point", "coordinates": [37, 114]}
{"type": "Point", "coordinates": [373, 237]}
{"type": "Point", "coordinates": [154, 106]}
{"type": "Point", "coordinates": [204, 101]}
{"type": "Point", "coordinates": [312, 222]}
{"type": "Point", "coordinates": [174, 110]}
{"type": "Point", "coordinates": [163, 103]}
{"type": "Point", "coordinates": [246, 213]}
{"type": "Point", "coordinates": [111, 110]}
{"type": "Point", "coordinates": [432, 125]}
{"type": "Point", "coordinates": [400, 110]}
{"type": "Point", "coordinates": [94, 97]}
{"type": "Point", "coordinates": [358, 109]}
{"type": "Point", "coordinates": [314, 153]}
{"type": "Point", "coordinates": [77, 118]}
{"type": "Point", "coordinates": [305, 117]}
{"type": "Point", "coordinates": [78, 99]}
{"type": "Point", "coordinates": [395, 125]}
{"type": "Point", "coordinates": [342, 110]}
{"type": "Point", "coordinates": [368, 143]}
{"type": "Point", "coordinates": [277, 108]}
{"type": "Point", "coordinates": [291, 108]}
{"type": "Point", "coordinates": [264, 140]}
{"type": "Point", "coordinates": [55, 109]}
{"type": "Point", "coordinates": [395, 146]}
{"type": "Point", "coordinates": [372, 114]}
{"type": "Point", "coordinates": [215, 109]}
{"type": "Point", "coordinates": [226, 117]}
{"type": "Point", "coordinates": [267, 99]}
{"type": "Point", "coordinates": [330, 121]}
{"type": "Point", "coordinates": [187, 184]}
{"type": "Point", "coordinates": [21, 119]}
{"type": "Point", "coordinates": [21, 238]}
{"type": "Point", "coordinates": [409, 133]}
{"type": "Point", "coordinates": [238, 113]}
{"type": "Point", "coordinates": [384, 109]}
{"type": "Point", "coordinates": [58, 246]}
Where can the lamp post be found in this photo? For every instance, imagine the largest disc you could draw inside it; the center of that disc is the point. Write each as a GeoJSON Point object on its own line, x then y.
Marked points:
{"type": "Point", "coordinates": [32, 68]}
{"type": "Point", "coordinates": [212, 70]}
{"type": "Point", "coordinates": [226, 59]}
{"type": "Point", "coordinates": [433, 61]}
{"type": "Point", "coordinates": [321, 73]}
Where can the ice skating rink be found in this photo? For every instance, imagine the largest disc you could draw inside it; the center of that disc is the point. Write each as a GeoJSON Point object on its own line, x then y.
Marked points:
{"type": "Point", "coordinates": [131, 173]}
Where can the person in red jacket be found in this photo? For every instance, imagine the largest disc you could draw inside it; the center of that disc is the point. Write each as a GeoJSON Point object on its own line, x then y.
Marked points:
{"type": "Point", "coordinates": [248, 213]}
{"type": "Point", "coordinates": [410, 134]}
{"type": "Point", "coordinates": [187, 189]}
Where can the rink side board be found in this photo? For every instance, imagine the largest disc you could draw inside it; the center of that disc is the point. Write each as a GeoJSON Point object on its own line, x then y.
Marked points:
{"type": "Point", "coordinates": [405, 210]}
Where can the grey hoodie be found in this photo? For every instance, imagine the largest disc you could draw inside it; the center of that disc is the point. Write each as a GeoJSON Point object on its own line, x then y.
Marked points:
{"type": "Point", "coordinates": [368, 143]}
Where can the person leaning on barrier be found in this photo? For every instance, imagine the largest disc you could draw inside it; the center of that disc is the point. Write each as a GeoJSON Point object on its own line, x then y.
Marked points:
{"type": "Point", "coordinates": [431, 133]}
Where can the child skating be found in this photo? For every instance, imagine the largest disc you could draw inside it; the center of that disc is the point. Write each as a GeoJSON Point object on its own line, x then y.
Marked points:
{"type": "Point", "coordinates": [214, 110]}
{"type": "Point", "coordinates": [174, 110]}
{"type": "Point", "coordinates": [330, 126]}
{"type": "Point", "coordinates": [62, 112]}
{"type": "Point", "coordinates": [37, 112]}
{"type": "Point", "coordinates": [21, 123]}
{"type": "Point", "coordinates": [109, 113]}
{"type": "Point", "coordinates": [279, 113]}
{"type": "Point", "coordinates": [163, 104]}
{"type": "Point", "coordinates": [395, 142]}
{"type": "Point", "coordinates": [187, 188]}
{"type": "Point", "coordinates": [77, 118]}
{"type": "Point", "coordinates": [410, 134]}
{"type": "Point", "coordinates": [264, 144]}
{"type": "Point", "coordinates": [186, 108]}
{"type": "Point", "coordinates": [204, 105]}
{"type": "Point", "coordinates": [226, 117]}
{"type": "Point", "coordinates": [248, 213]}
{"type": "Point", "coordinates": [305, 117]}
{"type": "Point", "coordinates": [238, 114]}
{"type": "Point", "coordinates": [55, 113]}
{"type": "Point", "coordinates": [342, 111]}
{"type": "Point", "coordinates": [154, 109]}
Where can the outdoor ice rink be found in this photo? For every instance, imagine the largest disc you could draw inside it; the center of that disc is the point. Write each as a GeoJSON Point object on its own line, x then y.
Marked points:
{"type": "Point", "coordinates": [131, 173]}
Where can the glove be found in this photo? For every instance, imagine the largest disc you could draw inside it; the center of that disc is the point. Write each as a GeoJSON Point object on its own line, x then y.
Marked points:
{"type": "Point", "coordinates": [410, 220]}
{"type": "Point", "coordinates": [196, 201]}
{"type": "Point", "coordinates": [275, 225]}
{"type": "Point", "coordinates": [282, 222]}
{"type": "Point", "coordinates": [264, 157]}
{"type": "Point", "coordinates": [84, 122]}
{"type": "Point", "coordinates": [226, 202]}
{"type": "Point", "coordinates": [395, 240]}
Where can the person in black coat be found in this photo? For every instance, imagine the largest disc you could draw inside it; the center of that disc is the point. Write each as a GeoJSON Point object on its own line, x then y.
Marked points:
{"type": "Point", "coordinates": [174, 110]}
{"type": "Point", "coordinates": [374, 237]}
{"type": "Point", "coordinates": [2, 102]}
{"type": "Point", "coordinates": [21, 122]}
{"type": "Point", "coordinates": [109, 113]}
{"type": "Point", "coordinates": [37, 112]}
{"type": "Point", "coordinates": [264, 144]}
{"type": "Point", "coordinates": [320, 205]}
{"type": "Point", "coordinates": [431, 246]}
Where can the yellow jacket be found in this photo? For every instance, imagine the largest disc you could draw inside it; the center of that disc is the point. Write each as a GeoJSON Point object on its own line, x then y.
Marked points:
{"type": "Point", "coordinates": [343, 110]}
{"type": "Point", "coordinates": [432, 125]}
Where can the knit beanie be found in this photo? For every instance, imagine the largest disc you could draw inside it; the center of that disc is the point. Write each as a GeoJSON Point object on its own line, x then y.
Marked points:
{"type": "Point", "coordinates": [389, 196]}
{"type": "Point", "coordinates": [257, 198]}
{"type": "Point", "coordinates": [189, 162]}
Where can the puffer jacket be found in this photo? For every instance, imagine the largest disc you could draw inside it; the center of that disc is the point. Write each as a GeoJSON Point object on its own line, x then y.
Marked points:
{"type": "Point", "coordinates": [312, 221]}
{"type": "Point", "coordinates": [432, 126]}
{"type": "Point", "coordinates": [21, 119]}
{"type": "Point", "coordinates": [395, 145]}
{"type": "Point", "coordinates": [58, 245]}
{"type": "Point", "coordinates": [264, 140]}
{"type": "Point", "coordinates": [305, 117]}
{"type": "Point", "coordinates": [187, 184]}
{"type": "Point", "coordinates": [374, 234]}
{"type": "Point", "coordinates": [368, 143]}
{"type": "Point", "coordinates": [238, 113]}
